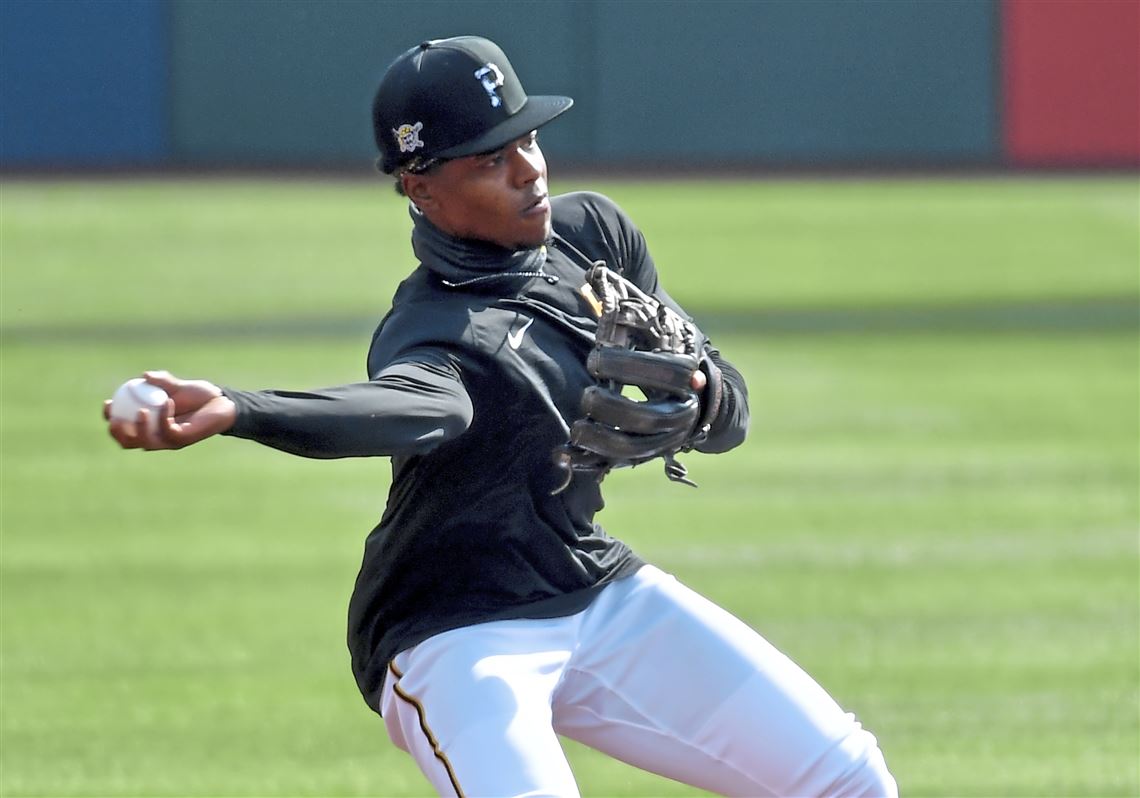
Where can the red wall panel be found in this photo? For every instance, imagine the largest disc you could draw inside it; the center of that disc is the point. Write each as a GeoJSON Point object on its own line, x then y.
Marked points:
{"type": "Point", "coordinates": [1071, 73]}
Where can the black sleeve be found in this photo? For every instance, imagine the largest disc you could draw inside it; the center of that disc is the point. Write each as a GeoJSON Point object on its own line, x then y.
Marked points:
{"type": "Point", "coordinates": [413, 405]}
{"type": "Point", "coordinates": [730, 426]}
{"type": "Point", "coordinates": [613, 232]}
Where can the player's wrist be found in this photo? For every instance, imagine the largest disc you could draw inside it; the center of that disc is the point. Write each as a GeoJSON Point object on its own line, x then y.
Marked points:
{"type": "Point", "coordinates": [225, 411]}
{"type": "Point", "coordinates": [236, 410]}
{"type": "Point", "coordinates": [711, 395]}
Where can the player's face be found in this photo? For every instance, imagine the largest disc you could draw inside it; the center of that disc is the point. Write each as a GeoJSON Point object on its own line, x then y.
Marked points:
{"type": "Point", "coordinates": [499, 196]}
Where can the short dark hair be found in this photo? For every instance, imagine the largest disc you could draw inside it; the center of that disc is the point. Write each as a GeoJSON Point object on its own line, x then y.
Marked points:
{"type": "Point", "coordinates": [417, 167]}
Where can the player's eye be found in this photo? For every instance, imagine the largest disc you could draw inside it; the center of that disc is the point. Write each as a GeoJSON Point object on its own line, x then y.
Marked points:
{"type": "Point", "coordinates": [498, 157]}
{"type": "Point", "coordinates": [493, 159]}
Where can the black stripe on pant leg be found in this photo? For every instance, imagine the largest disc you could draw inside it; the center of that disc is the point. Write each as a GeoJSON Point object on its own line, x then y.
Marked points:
{"type": "Point", "coordinates": [435, 749]}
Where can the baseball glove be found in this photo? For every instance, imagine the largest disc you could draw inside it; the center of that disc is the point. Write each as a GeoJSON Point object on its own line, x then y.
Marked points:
{"type": "Point", "coordinates": [643, 343]}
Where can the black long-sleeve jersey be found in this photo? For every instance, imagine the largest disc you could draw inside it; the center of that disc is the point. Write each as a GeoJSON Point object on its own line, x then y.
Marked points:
{"type": "Point", "coordinates": [474, 377]}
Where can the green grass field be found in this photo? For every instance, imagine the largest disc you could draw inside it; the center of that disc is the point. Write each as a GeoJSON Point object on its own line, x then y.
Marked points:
{"type": "Point", "coordinates": [936, 512]}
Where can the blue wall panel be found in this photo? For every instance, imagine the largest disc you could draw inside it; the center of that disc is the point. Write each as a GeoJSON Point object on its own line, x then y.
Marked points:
{"type": "Point", "coordinates": [83, 82]}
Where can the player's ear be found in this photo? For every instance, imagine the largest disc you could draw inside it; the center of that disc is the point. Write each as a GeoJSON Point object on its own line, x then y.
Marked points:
{"type": "Point", "coordinates": [417, 188]}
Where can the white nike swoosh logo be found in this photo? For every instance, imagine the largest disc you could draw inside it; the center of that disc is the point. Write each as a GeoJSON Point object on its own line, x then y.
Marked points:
{"type": "Point", "coordinates": [514, 337]}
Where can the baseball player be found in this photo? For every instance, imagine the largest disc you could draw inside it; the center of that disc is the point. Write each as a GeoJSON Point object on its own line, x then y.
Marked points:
{"type": "Point", "coordinates": [491, 614]}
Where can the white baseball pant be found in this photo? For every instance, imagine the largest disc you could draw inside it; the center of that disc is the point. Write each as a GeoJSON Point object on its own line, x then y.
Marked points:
{"type": "Point", "coordinates": [650, 673]}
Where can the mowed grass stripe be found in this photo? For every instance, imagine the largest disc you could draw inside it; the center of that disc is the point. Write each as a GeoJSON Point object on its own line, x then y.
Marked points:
{"type": "Point", "coordinates": [1086, 315]}
{"type": "Point", "coordinates": [168, 252]}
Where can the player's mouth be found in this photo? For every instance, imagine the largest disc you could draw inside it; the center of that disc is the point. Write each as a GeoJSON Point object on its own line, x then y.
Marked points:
{"type": "Point", "coordinates": [538, 206]}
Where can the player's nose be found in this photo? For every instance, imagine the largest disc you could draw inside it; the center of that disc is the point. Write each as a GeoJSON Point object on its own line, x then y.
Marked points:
{"type": "Point", "coordinates": [528, 165]}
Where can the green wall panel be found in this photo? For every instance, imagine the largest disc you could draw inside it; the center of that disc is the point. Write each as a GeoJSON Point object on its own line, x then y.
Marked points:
{"type": "Point", "coordinates": [277, 82]}
{"type": "Point", "coordinates": [826, 82]}
{"type": "Point", "coordinates": [805, 82]}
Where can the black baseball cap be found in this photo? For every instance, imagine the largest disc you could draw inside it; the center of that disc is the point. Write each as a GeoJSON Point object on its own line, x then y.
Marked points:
{"type": "Point", "coordinates": [447, 98]}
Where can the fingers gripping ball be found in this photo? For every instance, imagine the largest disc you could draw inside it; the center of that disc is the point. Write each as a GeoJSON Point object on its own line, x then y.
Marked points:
{"type": "Point", "coordinates": [135, 395]}
{"type": "Point", "coordinates": [640, 342]}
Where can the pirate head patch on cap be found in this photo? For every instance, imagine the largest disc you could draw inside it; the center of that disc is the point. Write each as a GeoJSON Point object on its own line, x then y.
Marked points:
{"type": "Point", "coordinates": [408, 136]}
{"type": "Point", "coordinates": [463, 98]}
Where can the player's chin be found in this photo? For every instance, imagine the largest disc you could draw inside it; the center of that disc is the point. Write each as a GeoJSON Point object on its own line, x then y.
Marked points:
{"type": "Point", "coordinates": [534, 234]}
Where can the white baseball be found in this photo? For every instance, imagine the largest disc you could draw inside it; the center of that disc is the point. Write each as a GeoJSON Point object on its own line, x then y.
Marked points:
{"type": "Point", "coordinates": [135, 395]}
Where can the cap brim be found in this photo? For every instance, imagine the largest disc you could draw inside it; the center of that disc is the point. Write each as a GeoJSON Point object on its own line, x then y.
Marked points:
{"type": "Point", "coordinates": [534, 114]}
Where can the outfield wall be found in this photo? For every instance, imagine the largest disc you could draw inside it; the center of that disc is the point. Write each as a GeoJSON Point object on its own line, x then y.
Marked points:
{"type": "Point", "coordinates": [1071, 81]}
{"type": "Point", "coordinates": [84, 83]}
{"type": "Point", "coordinates": [828, 83]}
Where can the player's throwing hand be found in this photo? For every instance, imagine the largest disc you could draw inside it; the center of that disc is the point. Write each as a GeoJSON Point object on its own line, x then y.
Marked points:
{"type": "Point", "coordinates": [196, 410]}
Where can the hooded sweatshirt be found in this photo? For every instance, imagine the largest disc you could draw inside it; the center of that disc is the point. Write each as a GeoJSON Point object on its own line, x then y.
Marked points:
{"type": "Point", "coordinates": [475, 375]}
